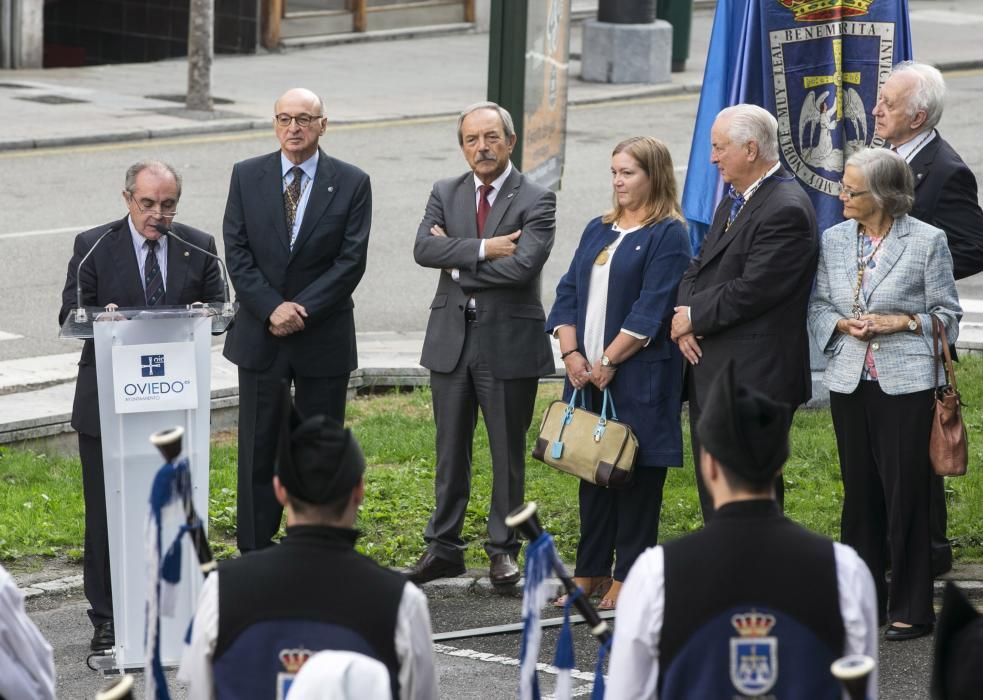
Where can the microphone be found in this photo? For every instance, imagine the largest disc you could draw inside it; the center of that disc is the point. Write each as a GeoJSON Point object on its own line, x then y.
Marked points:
{"type": "Point", "coordinates": [227, 309]}
{"type": "Point", "coordinates": [80, 314]}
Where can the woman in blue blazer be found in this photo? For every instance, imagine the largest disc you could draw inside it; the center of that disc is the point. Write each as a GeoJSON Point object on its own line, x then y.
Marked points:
{"type": "Point", "coordinates": [612, 316]}
{"type": "Point", "coordinates": [881, 277]}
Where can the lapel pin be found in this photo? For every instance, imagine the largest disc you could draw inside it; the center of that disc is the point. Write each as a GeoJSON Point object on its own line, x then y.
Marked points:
{"type": "Point", "coordinates": [331, 188]}
{"type": "Point", "coordinates": [511, 195]}
{"type": "Point", "coordinates": [638, 247]}
{"type": "Point", "coordinates": [186, 253]}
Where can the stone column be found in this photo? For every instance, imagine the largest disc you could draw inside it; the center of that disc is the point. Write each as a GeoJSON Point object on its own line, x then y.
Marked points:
{"type": "Point", "coordinates": [21, 33]}
{"type": "Point", "coordinates": [201, 29]}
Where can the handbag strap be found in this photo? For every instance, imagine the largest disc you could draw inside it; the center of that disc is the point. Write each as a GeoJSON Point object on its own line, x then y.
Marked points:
{"type": "Point", "coordinates": [939, 339]}
{"type": "Point", "coordinates": [608, 399]}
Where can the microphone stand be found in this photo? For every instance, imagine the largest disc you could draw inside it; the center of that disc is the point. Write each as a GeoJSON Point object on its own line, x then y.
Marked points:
{"type": "Point", "coordinates": [227, 309]}
{"type": "Point", "coordinates": [527, 522]}
{"type": "Point", "coordinates": [80, 314]}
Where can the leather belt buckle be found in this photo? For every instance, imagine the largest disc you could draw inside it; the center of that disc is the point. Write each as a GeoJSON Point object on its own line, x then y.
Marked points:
{"type": "Point", "coordinates": [470, 315]}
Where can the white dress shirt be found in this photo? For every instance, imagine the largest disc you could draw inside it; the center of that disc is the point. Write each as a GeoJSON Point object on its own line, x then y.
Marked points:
{"type": "Point", "coordinates": [414, 649]}
{"type": "Point", "coordinates": [910, 149]}
{"type": "Point", "coordinates": [309, 167]}
{"type": "Point", "coordinates": [27, 664]}
{"type": "Point", "coordinates": [634, 669]}
{"type": "Point", "coordinates": [492, 196]}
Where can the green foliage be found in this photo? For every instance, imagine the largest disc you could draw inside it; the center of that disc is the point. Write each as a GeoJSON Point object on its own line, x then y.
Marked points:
{"type": "Point", "coordinates": [41, 495]}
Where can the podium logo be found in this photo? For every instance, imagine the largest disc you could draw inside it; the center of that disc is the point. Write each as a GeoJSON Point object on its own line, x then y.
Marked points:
{"type": "Point", "coordinates": [152, 365]}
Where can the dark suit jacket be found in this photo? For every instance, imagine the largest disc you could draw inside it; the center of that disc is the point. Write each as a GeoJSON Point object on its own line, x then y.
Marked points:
{"type": "Point", "coordinates": [644, 278]}
{"type": "Point", "coordinates": [749, 291]}
{"type": "Point", "coordinates": [112, 276]}
{"type": "Point", "coordinates": [506, 291]}
{"type": "Point", "coordinates": [320, 273]}
{"type": "Point", "coordinates": [946, 197]}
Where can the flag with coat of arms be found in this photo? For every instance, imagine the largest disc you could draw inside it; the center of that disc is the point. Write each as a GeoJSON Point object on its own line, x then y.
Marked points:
{"type": "Point", "coordinates": [817, 66]}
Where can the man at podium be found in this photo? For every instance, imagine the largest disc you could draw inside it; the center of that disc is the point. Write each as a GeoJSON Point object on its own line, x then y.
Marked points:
{"type": "Point", "coordinates": [128, 263]}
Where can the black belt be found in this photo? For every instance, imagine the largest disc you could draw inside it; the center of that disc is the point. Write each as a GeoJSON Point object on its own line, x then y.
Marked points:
{"type": "Point", "coordinates": [470, 315]}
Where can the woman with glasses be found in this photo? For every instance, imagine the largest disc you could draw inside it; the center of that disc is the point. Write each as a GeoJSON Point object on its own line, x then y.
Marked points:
{"type": "Point", "coordinates": [882, 276]}
{"type": "Point", "coordinates": [612, 316]}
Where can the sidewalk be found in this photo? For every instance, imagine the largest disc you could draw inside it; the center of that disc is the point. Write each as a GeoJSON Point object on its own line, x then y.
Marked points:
{"type": "Point", "coordinates": [375, 81]}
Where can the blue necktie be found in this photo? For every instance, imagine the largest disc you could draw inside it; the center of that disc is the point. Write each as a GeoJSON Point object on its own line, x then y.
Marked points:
{"type": "Point", "coordinates": [736, 205]}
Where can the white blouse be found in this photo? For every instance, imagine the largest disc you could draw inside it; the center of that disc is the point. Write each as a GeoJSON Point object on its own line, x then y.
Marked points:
{"type": "Point", "coordinates": [597, 301]}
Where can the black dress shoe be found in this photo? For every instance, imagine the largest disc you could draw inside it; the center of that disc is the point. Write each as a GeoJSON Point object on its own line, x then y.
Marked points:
{"type": "Point", "coordinates": [503, 570]}
{"type": "Point", "coordinates": [903, 634]}
{"type": "Point", "coordinates": [104, 637]}
{"type": "Point", "coordinates": [429, 567]}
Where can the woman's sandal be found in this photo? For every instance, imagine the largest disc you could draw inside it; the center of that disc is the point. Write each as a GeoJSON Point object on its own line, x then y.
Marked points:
{"type": "Point", "coordinates": [590, 585]}
{"type": "Point", "coordinates": [610, 599]}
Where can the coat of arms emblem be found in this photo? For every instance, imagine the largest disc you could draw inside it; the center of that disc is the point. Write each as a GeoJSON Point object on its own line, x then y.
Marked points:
{"type": "Point", "coordinates": [753, 654]}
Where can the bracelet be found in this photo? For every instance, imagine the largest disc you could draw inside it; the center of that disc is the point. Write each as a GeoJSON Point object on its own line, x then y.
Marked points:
{"type": "Point", "coordinates": [565, 355]}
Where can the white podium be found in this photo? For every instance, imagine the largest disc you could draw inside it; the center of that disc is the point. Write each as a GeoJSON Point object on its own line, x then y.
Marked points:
{"type": "Point", "coordinates": [153, 369]}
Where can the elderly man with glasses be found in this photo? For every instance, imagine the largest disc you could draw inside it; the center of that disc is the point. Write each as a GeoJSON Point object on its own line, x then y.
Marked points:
{"type": "Point", "coordinates": [296, 236]}
{"type": "Point", "coordinates": [131, 265]}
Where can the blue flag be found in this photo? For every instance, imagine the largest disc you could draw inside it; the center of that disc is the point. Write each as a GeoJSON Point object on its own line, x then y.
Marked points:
{"type": "Point", "coordinates": [817, 66]}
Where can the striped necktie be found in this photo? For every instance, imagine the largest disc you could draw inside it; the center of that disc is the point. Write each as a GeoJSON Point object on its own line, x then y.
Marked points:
{"type": "Point", "coordinates": [153, 280]}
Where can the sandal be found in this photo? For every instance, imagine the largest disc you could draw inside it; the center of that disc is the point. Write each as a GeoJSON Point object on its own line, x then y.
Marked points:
{"type": "Point", "coordinates": [610, 599]}
{"type": "Point", "coordinates": [590, 585]}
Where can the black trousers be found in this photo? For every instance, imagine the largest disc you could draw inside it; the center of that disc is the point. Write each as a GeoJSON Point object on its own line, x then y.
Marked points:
{"type": "Point", "coordinates": [617, 525]}
{"type": "Point", "coordinates": [260, 406]}
{"type": "Point", "coordinates": [96, 579]}
{"type": "Point", "coordinates": [882, 442]}
{"type": "Point", "coordinates": [938, 519]}
{"type": "Point", "coordinates": [507, 406]}
{"type": "Point", "coordinates": [706, 502]}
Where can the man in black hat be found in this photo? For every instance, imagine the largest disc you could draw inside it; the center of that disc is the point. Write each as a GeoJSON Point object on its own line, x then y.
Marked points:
{"type": "Point", "coordinates": [753, 604]}
{"type": "Point", "coordinates": [262, 615]}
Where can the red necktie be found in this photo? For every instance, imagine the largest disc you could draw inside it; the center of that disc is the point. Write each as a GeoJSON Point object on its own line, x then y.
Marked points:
{"type": "Point", "coordinates": [484, 206]}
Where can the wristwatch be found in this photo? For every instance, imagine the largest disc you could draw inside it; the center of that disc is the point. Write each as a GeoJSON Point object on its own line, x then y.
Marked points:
{"type": "Point", "coordinates": [606, 362]}
{"type": "Point", "coordinates": [912, 323]}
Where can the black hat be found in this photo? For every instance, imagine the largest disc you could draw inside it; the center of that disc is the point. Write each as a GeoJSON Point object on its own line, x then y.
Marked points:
{"type": "Point", "coordinates": [958, 670]}
{"type": "Point", "coordinates": [320, 461]}
{"type": "Point", "coordinates": [743, 429]}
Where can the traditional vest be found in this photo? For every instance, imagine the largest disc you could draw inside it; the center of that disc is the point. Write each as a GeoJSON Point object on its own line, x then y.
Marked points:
{"type": "Point", "coordinates": [281, 605]}
{"type": "Point", "coordinates": [751, 609]}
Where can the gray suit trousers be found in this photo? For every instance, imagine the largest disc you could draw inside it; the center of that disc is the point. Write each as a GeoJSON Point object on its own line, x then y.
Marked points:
{"type": "Point", "coordinates": [507, 406]}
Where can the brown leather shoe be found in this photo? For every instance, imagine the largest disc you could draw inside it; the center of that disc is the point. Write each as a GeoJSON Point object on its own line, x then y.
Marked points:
{"type": "Point", "coordinates": [503, 570]}
{"type": "Point", "coordinates": [429, 567]}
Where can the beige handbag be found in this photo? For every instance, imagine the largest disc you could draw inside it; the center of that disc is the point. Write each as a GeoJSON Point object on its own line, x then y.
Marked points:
{"type": "Point", "coordinates": [593, 447]}
{"type": "Point", "coordinates": [948, 447]}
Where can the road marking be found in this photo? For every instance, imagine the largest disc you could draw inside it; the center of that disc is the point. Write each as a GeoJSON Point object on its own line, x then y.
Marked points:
{"type": "Point", "coordinates": [9, 336]}
{"type": "Point", "coordinates": [505, 661]}
{"type": "Point", "coordinates": [244, 135]}
{"type": "Point", "coordinates": [46, 232]}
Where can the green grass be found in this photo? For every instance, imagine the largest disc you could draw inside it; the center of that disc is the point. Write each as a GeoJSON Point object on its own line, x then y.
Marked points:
{"type": "Point", "coordinates": [41, 495]}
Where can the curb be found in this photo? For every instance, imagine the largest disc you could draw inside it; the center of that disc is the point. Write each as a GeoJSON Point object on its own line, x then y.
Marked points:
{"type": "Point", "coordinates": [248, 124]}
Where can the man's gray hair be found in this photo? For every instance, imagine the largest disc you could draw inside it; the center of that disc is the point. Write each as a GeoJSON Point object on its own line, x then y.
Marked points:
{"type": "Point", "coordinates": [753, 123]}
{"type": "Point", "coordinates": [157, 166]}
{"type": "Point", "coordinates": [507, 124]}
{"type": "Point", "coordinates": [888, 179]}
{"type": "Point", "coordinates": [928, 94]}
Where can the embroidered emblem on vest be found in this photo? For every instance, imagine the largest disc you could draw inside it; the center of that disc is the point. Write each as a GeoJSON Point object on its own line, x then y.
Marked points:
{"type": "Point", "coordinates": [753, 654]}
{"type": "Point", "coordinates": [292, 660]}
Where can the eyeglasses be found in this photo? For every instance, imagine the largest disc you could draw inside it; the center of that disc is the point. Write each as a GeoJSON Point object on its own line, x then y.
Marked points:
{"type": "Point", "coordinates": [166, 209]}
{"type": "Point", "coordinates": [851, 194]}
{"type": "Point", "coordinates": [303, 120]}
